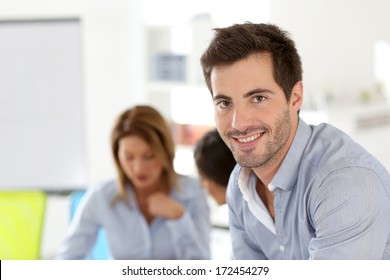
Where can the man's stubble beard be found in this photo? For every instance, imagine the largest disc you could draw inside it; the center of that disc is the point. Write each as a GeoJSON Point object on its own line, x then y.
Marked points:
{"type": "Point", "coordinates": [273, 146]}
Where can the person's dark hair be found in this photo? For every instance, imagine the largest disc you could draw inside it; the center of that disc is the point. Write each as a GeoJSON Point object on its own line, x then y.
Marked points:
{"type": "Point", "coordinates": [213, 158]}
{"type": "Point", "coordinates": [239, 41]}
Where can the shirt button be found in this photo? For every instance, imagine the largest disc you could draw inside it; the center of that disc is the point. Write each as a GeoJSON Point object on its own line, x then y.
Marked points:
{"type": "Point", "coordinates": [282, 248]}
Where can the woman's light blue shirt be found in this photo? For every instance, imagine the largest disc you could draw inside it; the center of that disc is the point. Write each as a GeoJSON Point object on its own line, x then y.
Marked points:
{"type": "Point", "coordinates": [129, 235]}
{"type": "Point", "coordinates": [331, 201]}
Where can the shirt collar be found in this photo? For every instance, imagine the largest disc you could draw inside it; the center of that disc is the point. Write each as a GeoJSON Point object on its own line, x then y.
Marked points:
{"type": "Point", "coordinates": [286, 177]}
{"type": "Point", "coordinates": [247, 185]}
{"type": "Point", "coordinates": [243, 181]}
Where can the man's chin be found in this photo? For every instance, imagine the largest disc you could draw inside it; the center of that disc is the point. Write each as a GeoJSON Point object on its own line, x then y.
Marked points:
{"type": "Point", "coordinates": [250, 162]}
{"type": "Point", "coordinates": [247, 164]}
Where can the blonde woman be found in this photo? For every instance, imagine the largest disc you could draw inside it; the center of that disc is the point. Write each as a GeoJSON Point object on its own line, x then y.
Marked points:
{"type": "Point", "coordinates": [148, 211]}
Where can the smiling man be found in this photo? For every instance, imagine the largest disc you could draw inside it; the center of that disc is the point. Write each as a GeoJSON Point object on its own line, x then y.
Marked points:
{"type": "Point", "coordinates": [299, 191]}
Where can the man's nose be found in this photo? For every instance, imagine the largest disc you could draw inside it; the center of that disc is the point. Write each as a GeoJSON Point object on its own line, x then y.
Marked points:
{"type": "Point", "coordinates": [240, 119]}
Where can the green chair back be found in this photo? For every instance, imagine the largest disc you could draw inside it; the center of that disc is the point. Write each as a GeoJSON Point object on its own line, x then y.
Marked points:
{"type": "Point", "coordinates": [21, 224]}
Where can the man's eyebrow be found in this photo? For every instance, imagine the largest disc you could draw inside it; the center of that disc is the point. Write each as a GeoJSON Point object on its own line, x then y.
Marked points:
{"type": "Point", "coordinates": [257, 91]}
{"type": "Point", "coordinates": [221, 96]}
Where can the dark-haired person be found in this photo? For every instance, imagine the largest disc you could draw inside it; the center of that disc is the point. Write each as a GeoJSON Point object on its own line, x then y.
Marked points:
{"type": "Point", "coordinates": [299, 191]}
{"type": "Point", "coordinates": [214, 162]}
{"type": "Point", "coordinates": [148, 211]}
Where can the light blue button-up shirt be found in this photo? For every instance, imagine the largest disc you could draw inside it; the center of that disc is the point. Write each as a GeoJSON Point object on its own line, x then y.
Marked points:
{"type": "Point", "coordinates": [129, 236]}
{"type": "Point", "coordinates": [331, 201]}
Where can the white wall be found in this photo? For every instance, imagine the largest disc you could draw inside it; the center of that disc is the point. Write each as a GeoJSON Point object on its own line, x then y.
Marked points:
{"type": "Point", "coordinates": [336, 41]}
{"type": "Point", "coordinates": [113, 63]}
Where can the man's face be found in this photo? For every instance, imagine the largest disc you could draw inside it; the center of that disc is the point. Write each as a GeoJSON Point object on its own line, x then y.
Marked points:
{"type": "Point", "coordinates": [252, 113]}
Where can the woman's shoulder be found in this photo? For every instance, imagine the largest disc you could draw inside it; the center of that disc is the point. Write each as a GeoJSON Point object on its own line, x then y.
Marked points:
{"type": "Point", "coordinates": [106, 189]}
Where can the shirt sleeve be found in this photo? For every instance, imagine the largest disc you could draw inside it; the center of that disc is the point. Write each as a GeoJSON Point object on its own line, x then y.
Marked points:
{"type": "Point", "coordinates": [243, 247]}
{"type": "Point", "coordinates": [82, 232]}
{"type": "Point", "coordinates": [191, 232]}
{"type": "Point", "coordinates": [348, 214]}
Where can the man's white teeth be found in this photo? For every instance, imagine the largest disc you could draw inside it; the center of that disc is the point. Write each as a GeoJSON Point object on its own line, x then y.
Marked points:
{"type": "Point", "coordinates": [250, 138]}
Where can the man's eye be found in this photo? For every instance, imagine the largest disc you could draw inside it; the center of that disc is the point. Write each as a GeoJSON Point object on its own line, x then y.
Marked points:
{"type": "Point", "coordinates": [223, 104]}
{"type": "Point", "coordinates": [259, 99]}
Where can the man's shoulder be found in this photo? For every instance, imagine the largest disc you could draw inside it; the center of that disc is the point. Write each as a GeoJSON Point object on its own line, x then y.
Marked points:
{"type": "Point", "coordinates": [329, 145]}
{"type": "Point", "coordinates": [330, 149]}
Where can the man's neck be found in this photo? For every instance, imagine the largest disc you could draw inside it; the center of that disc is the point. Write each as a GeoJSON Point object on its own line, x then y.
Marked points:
{"type": "Point", "coordinates": [267, 197]}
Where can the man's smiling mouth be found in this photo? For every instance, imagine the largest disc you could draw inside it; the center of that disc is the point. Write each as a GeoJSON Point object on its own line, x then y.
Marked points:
{"type": "Point", "coordinates": [249, 138]}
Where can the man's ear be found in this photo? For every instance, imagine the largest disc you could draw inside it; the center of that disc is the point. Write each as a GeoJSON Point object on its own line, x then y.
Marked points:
{"type": "Point", "coordinates": [296, 98]}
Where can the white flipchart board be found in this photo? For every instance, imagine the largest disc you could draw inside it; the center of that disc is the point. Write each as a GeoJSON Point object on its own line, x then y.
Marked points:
{"type": "Point", "coordinates": [41, 105]}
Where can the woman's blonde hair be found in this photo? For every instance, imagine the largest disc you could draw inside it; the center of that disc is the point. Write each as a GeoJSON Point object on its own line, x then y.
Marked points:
{"type": "Point", "coordinates": [147, 123]}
